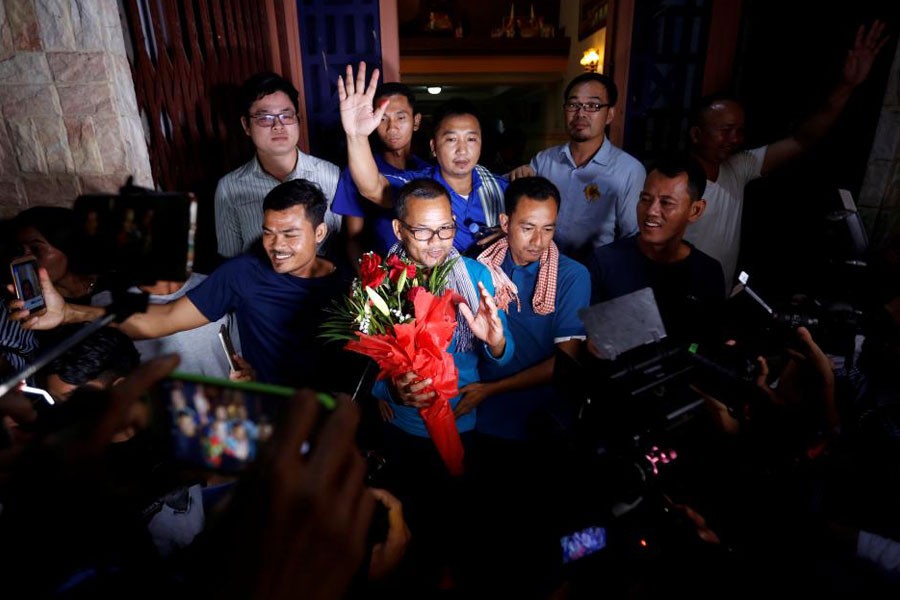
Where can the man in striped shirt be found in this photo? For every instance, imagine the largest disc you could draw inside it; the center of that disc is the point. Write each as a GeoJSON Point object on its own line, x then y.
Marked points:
{"type": "Point", "coordinates": [270, 107]}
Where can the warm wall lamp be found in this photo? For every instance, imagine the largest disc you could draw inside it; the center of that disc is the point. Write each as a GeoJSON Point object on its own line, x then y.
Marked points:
{"type": "Point", "coordinates": [591, 60]}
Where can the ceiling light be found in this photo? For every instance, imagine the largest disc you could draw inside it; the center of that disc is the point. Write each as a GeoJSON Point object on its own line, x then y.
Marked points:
{"type": "Point", "coordinates": [434, 90]}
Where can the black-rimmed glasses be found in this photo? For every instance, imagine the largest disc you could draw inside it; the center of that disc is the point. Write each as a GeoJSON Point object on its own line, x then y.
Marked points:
{"type": "Point", "coordinates": [424, 234]}
{"type": "Point", "coordinates": [585, 106]}
{"type": "Point", "coordinates": [267, 120]}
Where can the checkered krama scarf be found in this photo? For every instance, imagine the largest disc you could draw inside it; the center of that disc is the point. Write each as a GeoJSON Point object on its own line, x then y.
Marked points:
{"type": "Point", "coordinates": [544, 299]}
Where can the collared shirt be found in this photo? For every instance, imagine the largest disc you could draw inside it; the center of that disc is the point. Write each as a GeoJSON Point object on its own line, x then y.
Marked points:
{"type": "Point", "coordinates": [718, 231]}
{"type": "Point", "coordinates": [467, 210]}
{"type": "Point", "coordinates": [379, 221]}
{"type": "Point", "coordinates": [240, 195]}
{"type": "Point", "coordinates": [508, 415]}
{"type": "Point", "coordinates": [599, 199]}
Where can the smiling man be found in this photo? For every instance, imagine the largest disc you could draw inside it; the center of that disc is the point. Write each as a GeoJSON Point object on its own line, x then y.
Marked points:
{"type": "Point", "coordinates": [277, 298]}
{"type": "Point", "coordinates": [686, 282]}
{"type": "Point", "coordinates": [270, 118]}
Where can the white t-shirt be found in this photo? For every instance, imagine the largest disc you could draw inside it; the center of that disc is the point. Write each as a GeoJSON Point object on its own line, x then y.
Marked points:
{"type": "Point", "coordinates": [718, 232]}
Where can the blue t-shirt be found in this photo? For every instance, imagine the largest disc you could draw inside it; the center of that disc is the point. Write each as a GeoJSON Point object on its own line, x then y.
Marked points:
{"type": "Point", "coordinates": [467, 365]}
{"type": "Point", "coordinates": [468, 211]}
{"type": "Point", "coordinates": [507, 415]}
{"type": "Point", "coordinates": [278, 317]}
{"type": "Point", "coordinates": [347, 201]}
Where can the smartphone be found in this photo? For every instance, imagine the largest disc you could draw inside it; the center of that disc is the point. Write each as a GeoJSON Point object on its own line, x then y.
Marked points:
{"type": "Point", "coordinates": [139, 235]}
{"type": "Point", "coordinates": [216, 424]}
{"type": "Point", "coordinates": [225, 338]}
{"type": "Point", "coordinates": [28, 286]}
{"type": "Point", "coordinates": [582, 543]}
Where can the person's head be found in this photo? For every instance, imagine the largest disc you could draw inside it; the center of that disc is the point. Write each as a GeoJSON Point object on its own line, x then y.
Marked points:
{"type": "Point", "coordinates": [270, 109]}
{"type": "Point", "coordinates": [672, 198]}
{"type": "Point", "coordinates": [400, 119]}
{"type": "Point", "coordinates": [49, 233]}
{"type": "Point", "coordinates": [424, 222]}
{"type": "Point", "coordinates": [99, 362]}
{"type": "Point", "coordinates": [716, 127]}
{"type": "Point", "coordinates": [532, 205]}
{"type": "Point", "coordinates": [186, 424]}
{"type": "Point", "coordinates": [293, 225]}
{"type": "Point", "coordinates": [456, 137]}
{"type": "Point", "coordinates": [589, 103]}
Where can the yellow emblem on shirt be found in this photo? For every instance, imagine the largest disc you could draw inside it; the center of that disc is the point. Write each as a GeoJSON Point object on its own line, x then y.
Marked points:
{"type": "Point", "coordinates": [592, 192]}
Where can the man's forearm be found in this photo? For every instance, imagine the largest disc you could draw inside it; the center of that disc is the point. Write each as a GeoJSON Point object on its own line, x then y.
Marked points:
{"type": "Point", "coordinates": [370, 183]}
{"type": "Point", "coordinates": [79, 313]}
{"type": "Point", "coordinates": [539, 374]}
{"type": "Point", "coordinates": [814, 128]}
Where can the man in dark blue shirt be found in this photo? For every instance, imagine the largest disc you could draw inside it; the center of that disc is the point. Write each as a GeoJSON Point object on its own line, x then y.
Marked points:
{"type": "Point", "coordinates": [686, 283]}
{"type": "Point", "coordinates": [277, 300]}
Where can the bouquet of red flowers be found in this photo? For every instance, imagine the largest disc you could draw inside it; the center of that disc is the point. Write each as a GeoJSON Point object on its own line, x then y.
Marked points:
{"type": "Point", "coordinates": [404, 320]}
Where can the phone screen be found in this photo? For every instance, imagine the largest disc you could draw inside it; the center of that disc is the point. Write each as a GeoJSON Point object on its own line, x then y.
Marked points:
{"type": "Point", "coordinates": [28, 286]}
{"type": "Point", "coordinates": [582, 543]}
{"type": "Point", "coordinates": [218, 424]}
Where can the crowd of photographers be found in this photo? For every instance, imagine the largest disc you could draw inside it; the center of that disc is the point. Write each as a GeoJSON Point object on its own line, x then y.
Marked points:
{"type": "Point", "coordinates": [740, 452]}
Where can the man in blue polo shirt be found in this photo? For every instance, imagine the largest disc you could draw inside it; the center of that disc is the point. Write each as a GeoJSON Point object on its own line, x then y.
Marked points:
{"type": "Point", "coordinates": [519, 415]}
{"type": "Point", "coordinates": [476, 195]}
{"type": "Point", "coordinates": [368, 226]}
{"type": "Point", "coordinates": [543, 291]}
{"type": "Point", "coordinates": [599, 183]}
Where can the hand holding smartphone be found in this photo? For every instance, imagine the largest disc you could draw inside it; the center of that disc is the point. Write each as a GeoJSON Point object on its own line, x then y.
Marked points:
{"type": "Point", "coordinates": [28, 285]}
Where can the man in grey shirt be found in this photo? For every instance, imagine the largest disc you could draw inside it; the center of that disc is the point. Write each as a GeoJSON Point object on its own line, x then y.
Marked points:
{"type": "Point", "coordinates": [270, 107]}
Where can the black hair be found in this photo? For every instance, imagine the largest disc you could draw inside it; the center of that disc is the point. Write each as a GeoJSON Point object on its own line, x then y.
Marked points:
{"type": "Point", "coordinates": [59, 228]}
{"type": "Point", "coordinates": [538, 188]}
{"type": "Point", "coordinates": [298, 192]}
{"type": "Point", "coordinates": [263, 84]}
{"type": "Point", "coordinates": [453, 107]}
{"type": "Point", "coordinates": [701, 105]}
{"type": "Point", "coordinates": [106, 355]}
{"type": "Point", "coordinates": [674, 166]}
{"type": "Point", "coordinates": [393, 88]}
{"type": "Point", "coordinates": [426, 189]}
{"type": "Point", "coordinates": [612, 92]}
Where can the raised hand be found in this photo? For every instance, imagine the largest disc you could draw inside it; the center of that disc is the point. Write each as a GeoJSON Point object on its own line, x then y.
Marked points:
{"type": "Point", "coordinates": [865, 48]}
{"type": "Point", "coordinates": [358, 116]}
{"type": "Point", "coordinates": [486, 324]}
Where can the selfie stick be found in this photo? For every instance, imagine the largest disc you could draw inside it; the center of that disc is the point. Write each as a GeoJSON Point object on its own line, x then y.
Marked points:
{"type": "Point", "coordinates": [119, 310]}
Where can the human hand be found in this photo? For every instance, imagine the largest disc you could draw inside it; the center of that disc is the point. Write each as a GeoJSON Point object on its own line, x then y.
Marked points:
{"type": "Point", "coordinates": [52, 317]}
{"type": "Point", "coordinates": [862, 55]}
{"type": "Point", "coordinates": [386, 556]}
{"type": "Point", "coordinates": [358, 117]}
{"type": "Point", "coordinates": [299, 522]}
{"type": "Point", "coordinates": [412, 390]}
{"type": "Point", "coordinates": [471, 396]}
{"type": "Point", "coordinates": [486, 324]}
{"type": "Point", "coordinates": [244, 370]}
{"type": "Point", "coordinates": [521, 171]}
{"type": "Point", "coordinates": [384, 408]}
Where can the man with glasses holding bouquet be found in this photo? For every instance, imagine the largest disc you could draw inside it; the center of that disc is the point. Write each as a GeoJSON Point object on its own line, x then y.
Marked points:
{"type": "Point", "coordinates": [269, 109]}
{"type": "Point", "coordinates": [599, 183]}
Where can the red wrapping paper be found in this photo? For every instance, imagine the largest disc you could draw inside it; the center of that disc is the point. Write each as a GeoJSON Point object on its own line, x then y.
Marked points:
{"type": "Point", "coordinates": [420, 346]}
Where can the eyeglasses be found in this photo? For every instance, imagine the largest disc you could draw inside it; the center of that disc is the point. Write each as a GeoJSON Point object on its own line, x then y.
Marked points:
{"type": "Point", "coordinates": [267, 120]}
{"type": "Point", "coordinates": [423, 234]}
{"type": "Point", "coordinates": [585, 106]}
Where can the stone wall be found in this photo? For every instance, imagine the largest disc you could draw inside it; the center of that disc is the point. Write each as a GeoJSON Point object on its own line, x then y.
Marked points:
{"type": "Point", "coordinates": [879, 198]}
{"type": "Point", "coordinates": [69, 122]}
